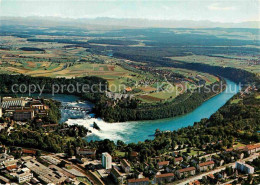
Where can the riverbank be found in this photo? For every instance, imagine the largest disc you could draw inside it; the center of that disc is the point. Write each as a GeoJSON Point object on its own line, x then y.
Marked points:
{"type": "Point", "coordinates": [123, 110]}
{"type": "Point", "coordinates": [142, 130]}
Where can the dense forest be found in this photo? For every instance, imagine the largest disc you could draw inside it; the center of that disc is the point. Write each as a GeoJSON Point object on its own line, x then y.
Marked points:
{"type": "Point", "coordinates": [36, 137]}
{"type": "Point", "coordinates": [31, 49]}
{"type": "Point", "coordinates": [21, 84]}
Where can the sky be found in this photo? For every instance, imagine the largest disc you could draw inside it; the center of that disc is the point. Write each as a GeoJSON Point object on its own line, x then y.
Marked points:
{"type": "Point", "coordinates": [212, 10]}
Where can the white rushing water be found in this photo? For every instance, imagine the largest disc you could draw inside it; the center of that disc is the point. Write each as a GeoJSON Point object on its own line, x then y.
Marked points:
{"type": "Point", "coordinates": [141, 130]}
{"type": "Point", "coordinates": [108, 130]}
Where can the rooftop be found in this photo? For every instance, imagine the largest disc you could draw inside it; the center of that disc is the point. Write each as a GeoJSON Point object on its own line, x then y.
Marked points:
{"type": "Point", "coordinates": [186, 169]}
{"type": "Point", "coordinates": [165, 175]}
{"type": "Point", "coordinates": [206, 163]}
{"type": "Point", "coordinates": [163, 163]}
{"type": "Point", "coordinates": [178, 159]}
{"type": "Point", "coordinates": [139, 180]}
{"type": "Point", "coordinates": [251, 147]}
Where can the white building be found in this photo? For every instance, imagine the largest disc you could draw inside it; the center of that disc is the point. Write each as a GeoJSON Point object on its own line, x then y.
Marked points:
{"type": "Point", "coordinates": [18, 102]}
{"type": "Point", "coordinates": [244, 167]}
{"type": "Point", "coordinates": [106, 160]}
{"type": "Point", "coordinates": [24, 176]}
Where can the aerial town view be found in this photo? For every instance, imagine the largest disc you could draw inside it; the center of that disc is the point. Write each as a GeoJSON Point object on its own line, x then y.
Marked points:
{"type": "Point", "coordinates": [135, 92]}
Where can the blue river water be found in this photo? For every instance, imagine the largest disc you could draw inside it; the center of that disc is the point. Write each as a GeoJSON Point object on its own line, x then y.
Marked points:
{"type": "Point", "coordinates": [138, 130]}
{"type": "Point", "coordinates": [142, 130]}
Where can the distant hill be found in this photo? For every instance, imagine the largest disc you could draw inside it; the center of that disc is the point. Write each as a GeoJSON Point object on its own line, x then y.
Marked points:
{"type": "Point", "coordinates": [115, 23]}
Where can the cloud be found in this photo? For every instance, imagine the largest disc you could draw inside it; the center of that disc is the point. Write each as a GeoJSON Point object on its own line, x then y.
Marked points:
{"type": "Point", "coordinates": [217, 6]}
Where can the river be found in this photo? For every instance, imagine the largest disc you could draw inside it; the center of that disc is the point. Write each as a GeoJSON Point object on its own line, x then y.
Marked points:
{"type": "Point", "coordinates": [140, 130]}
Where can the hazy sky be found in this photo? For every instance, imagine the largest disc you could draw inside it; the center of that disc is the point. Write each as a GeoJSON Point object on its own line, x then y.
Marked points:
{"type": "Point", "coordinates": [214, 10]}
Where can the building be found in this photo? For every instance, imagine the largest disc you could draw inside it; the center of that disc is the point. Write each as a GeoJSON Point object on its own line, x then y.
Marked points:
{"type": "Point", "coordinates": [10, 164]}
{"type": "Point", "coordinates": [5, 158]}
{"type": "Point", "coordinates": [196, 182]}
{"type": "Point", "coordinates": [14, 102]}
{"type": "Point", "coordinates": [45, 174]}
{"type": "Point", "coordinates": [106, 160]}
{"type": "Point", "coordinates": [163, 163]}
{"type": "Point", "coordinates": [23, 115]}
{"type": "Point", "coordinates": [117, 176]}
{"type": "Point", "coordinates": [1, 111]}
{"type": "Point", "coordinates": [142, 181]}
{"type": "Point", "coordinates": [86, 152]}
{"type": "Point", "coordinates": [206, 166]}
{"type": "Point", "coordinates": [37, 104]}
{"type": "Point", "coordinates": [164, 178]}
{"type": "Point", "coordinates": [186, 171]}
{"type": "Point", "coordinates": [125, 166]}
{"type": "Point", "coordinates": [178, 160]}
{"type": "Point", "coordinates": [244, 167]}
{"type": "Point", "coordinates": [24, 175]}
{"type": "Point", "coordinates": [29, 152]}
{"type": "Point", "coordinates": [252, 148]}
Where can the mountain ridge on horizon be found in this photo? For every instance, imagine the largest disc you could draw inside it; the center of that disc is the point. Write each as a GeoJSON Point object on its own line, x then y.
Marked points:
{"type": "Point", "coordinates": [126, 22]}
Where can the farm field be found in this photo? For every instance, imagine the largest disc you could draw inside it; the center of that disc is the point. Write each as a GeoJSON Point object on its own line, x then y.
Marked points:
{"type": "Point", "coordinates": [251, 64]}
{"type": "Point", "coordinates": [47, 58]}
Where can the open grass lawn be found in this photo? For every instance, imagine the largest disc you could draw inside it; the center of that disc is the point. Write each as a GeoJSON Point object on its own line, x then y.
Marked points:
{"type": "Point", "coordinates": [195, 152]}
{"type": "Point", "coordinates": [119, 153]}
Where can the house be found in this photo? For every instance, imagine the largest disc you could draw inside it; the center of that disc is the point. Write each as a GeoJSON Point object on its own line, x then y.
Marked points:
{"type": "Point", "coordinates": [175, 154]}
{"type": "Point", "coordinates": [134, 154]}
{"type": "Point", "coordinates": [178, 160]}
{"type": "Point", "coordinates": [242, 166]}
{"type": "Point", "coordinates": [228, 150]}
{"type": "Point", "coordinates": [117, 176]}
{"type": "Point", "coordinates": [205, 166]}
{"type": "Point", "coordinates": [128, 89]}
{"type": "Point", "coordinates": [163, 178]}
{"type": "Point", "coordinates": [163, 163]}
{"type": "Point", "coordinates": [186, 171]}
{"type": "Point", "coordinates": [252, 148]}
{"type": "Point", "coordinates": [125, 166]}
{"type": "Point", "coordinates": [142, 181]}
